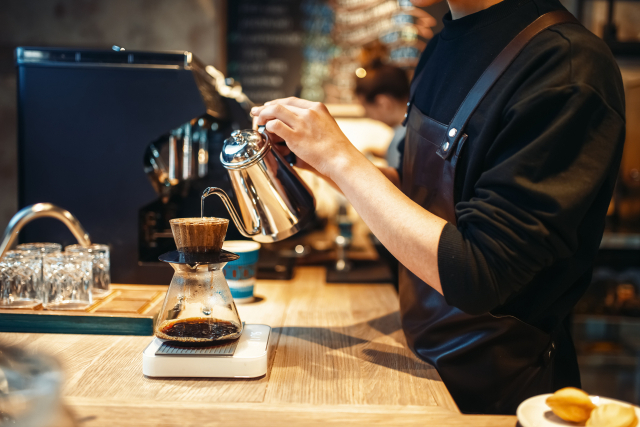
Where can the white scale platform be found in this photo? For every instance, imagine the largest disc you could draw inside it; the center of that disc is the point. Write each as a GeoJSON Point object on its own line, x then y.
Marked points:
{"type": "Point", "coordinates": [248, 361]}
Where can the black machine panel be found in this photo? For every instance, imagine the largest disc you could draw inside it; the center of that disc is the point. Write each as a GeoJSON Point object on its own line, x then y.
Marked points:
{"type": "Point", "coordinates": [86, 120]}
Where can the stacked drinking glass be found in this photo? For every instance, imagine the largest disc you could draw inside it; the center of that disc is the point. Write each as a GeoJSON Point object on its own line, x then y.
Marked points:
{"type": "Point", "coordinates": [40, 273]}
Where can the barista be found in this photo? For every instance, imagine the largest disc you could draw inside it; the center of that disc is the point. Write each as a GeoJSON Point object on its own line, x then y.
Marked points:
{"type": "Point", "coordinates": [383, 92]}
{"type": "Point", "coordinates": [497, 231]}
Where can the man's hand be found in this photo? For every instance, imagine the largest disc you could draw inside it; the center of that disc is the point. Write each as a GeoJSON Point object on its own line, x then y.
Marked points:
{"type": "Point", "coordinates": [309, 131]}
{"type": "Point", "coordinates": [409, 232]}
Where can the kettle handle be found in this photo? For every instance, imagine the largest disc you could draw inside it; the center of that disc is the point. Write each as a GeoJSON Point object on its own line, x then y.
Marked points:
{"type": "Point", "coordinates": [291, 158]}
{"type": "Point", "coordinates": [232, 211]}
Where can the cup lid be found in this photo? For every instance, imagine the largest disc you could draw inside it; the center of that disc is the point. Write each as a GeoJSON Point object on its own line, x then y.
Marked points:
{"type": "Point", "coordinates": [243, 148]}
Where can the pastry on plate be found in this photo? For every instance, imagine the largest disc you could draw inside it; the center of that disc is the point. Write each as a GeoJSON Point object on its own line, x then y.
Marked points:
{"type": "Point", "coordinates": [613, 415]}
{"type": "Point", "coordinates": [571, 404]}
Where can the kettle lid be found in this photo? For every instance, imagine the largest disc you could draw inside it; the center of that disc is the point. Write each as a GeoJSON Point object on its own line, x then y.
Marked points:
{"type": "Point", "coordinates": [243, 148]}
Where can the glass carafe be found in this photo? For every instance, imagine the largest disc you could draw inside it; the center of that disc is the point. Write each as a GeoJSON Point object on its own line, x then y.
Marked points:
{"type": "Point", "coordinates": [198, 307]}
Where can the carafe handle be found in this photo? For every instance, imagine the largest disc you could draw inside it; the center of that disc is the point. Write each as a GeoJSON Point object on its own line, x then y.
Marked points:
{"type": "Point", "coordinates": [232, 211]}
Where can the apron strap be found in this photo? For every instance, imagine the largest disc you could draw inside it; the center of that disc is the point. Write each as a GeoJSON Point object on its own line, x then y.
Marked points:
{"type": "Point", "coordinates": [415, 83]}
{"type": "Point", "coordinates": [493, 73]}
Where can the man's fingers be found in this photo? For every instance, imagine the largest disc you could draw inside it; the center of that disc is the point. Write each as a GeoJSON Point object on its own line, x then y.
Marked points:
{"type": "Point", "coordinates": [282, 149]}
{"type": "Point", "coordinates": [296, 110]}
{"type": "Point", "coordinates": [275, 139]}
{"type": "Point", "coordinates": [425, 32]}
{"type": "Point", "coordinates": [255, 111]}
{"type": "Point", "coordinates": [279, 112]}
{"type": "Point", "coordinates": [424, 3]}
{"type": "Point", "coordinates": [425, 22]}
{"type": "Point", "coordinates": [419, 13]}
{"type": "Point", "coordinates": [422, 18]}
{"type": "Point", "coordinates": [291, 101]}
{"type": "Point", "coordinates": [279, 128]}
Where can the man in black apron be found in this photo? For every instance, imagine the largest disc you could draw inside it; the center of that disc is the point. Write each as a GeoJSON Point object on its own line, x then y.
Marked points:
{"type": "Point", "coordinates": [515, 129]}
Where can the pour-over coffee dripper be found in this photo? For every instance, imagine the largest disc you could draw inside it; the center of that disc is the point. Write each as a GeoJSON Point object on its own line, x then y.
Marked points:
{"type": "Point", "coordinates": [198, 307]}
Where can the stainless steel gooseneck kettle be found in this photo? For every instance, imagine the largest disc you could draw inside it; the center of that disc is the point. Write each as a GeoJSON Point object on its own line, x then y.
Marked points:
{"type": "Point", "coordinates": [273, 201]}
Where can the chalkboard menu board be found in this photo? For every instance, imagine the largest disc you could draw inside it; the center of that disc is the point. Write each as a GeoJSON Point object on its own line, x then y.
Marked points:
{"type": "Point", "coordinates": [312, 48]}
{"type": "Point", "coordinates": [264, 47]}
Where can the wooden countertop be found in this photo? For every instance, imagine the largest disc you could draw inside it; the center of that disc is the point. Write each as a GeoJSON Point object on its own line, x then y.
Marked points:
{"type": "Point", "coordinates": [337, 356]}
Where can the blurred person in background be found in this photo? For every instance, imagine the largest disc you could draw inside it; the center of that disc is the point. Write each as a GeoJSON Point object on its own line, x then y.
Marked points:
{"type": "Point", "coordinates": [383, 91]}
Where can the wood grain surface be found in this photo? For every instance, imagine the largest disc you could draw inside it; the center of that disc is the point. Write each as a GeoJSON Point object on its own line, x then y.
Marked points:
{"type": "Point", "coordinates": [337, 356]}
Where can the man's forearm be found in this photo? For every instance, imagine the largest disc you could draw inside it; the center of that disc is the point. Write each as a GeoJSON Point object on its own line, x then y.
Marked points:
{"type": "Point", "coordinates": [408, 231]}
{"type": "Point", "coordinates": [390, 173]}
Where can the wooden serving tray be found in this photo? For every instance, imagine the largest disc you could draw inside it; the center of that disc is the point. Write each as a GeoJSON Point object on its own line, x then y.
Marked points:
{"type": "Point", "coordinates": [125, 310]}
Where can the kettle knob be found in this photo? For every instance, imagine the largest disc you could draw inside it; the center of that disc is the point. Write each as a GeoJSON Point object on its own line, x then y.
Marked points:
{"type": "Point", "coordinates": [244, 148]}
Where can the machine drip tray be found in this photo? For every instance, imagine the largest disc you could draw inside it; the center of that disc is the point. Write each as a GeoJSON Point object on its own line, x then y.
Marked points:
{"type": "Point", "coordinates": [244, 358]}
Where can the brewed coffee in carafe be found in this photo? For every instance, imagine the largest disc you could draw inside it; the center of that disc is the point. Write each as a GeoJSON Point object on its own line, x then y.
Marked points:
{"type": "Point", "coordinates": [198, 307]}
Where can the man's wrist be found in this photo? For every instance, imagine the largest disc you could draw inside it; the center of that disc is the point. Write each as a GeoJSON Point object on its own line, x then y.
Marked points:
{"type": "Point", "coordinates": [342, 165]}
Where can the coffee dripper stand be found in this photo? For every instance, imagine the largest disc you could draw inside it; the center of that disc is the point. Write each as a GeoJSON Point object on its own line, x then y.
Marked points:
{"type": "Point", "coordinates": [274, 203]}
{"type": "Point", "coordinates": [199, 291]}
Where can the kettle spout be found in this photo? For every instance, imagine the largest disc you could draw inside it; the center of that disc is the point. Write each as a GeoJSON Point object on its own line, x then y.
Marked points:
{"type": "Point", "coordinates": [244, 230]}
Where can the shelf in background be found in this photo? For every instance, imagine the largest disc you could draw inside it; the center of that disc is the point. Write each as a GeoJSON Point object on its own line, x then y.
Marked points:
{"type": "Point", "coordinates": [620, 241]}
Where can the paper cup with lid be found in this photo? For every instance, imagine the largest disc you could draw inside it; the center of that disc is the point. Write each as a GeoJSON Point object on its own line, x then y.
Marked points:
{"type": "Point", "coordinates": [241, 273]}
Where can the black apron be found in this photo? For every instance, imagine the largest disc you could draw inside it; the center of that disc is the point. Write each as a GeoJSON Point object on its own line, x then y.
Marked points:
{"type": "Point", "coordinates": [489, 364]}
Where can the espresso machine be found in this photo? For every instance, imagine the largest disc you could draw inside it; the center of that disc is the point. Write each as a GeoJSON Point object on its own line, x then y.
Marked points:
{"type": "Point", "coordinates": [126, 141]}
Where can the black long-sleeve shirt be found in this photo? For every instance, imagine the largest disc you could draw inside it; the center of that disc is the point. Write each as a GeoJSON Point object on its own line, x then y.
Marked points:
{"type": "Point", "coordinates": [536, 175]}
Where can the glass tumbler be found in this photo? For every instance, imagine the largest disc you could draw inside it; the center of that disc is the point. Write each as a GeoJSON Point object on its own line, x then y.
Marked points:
{"type": "Point", "coordinates": [100, 256]}
{"type": "Point", "coordinates": [67, 281]}
{"type": "Point", "coordinates": [40, 249]}
{"type": "Point", "coordinates": [20, 280]}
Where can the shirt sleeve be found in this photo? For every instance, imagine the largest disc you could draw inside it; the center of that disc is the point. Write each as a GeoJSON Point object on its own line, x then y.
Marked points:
{"type": "Point", "coordinates": [544, 170]}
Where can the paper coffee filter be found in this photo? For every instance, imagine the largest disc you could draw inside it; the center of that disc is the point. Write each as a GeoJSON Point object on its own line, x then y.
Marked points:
{"type": "Point", "coordinates": [199, 235]}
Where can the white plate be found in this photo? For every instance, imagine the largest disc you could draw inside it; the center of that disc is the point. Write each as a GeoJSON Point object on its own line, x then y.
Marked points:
{"type": "Point", "coordinates": [534, 412]}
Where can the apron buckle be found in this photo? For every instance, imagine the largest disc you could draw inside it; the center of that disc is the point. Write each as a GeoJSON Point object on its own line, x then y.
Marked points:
{"type": "Point", "coordinates": [445, 150]}
{"type": "Point", "coordinates": [448, 145]}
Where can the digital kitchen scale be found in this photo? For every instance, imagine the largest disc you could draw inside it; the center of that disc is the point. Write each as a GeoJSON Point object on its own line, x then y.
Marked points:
{"type": "Point", "coordinates": [245, 357]}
